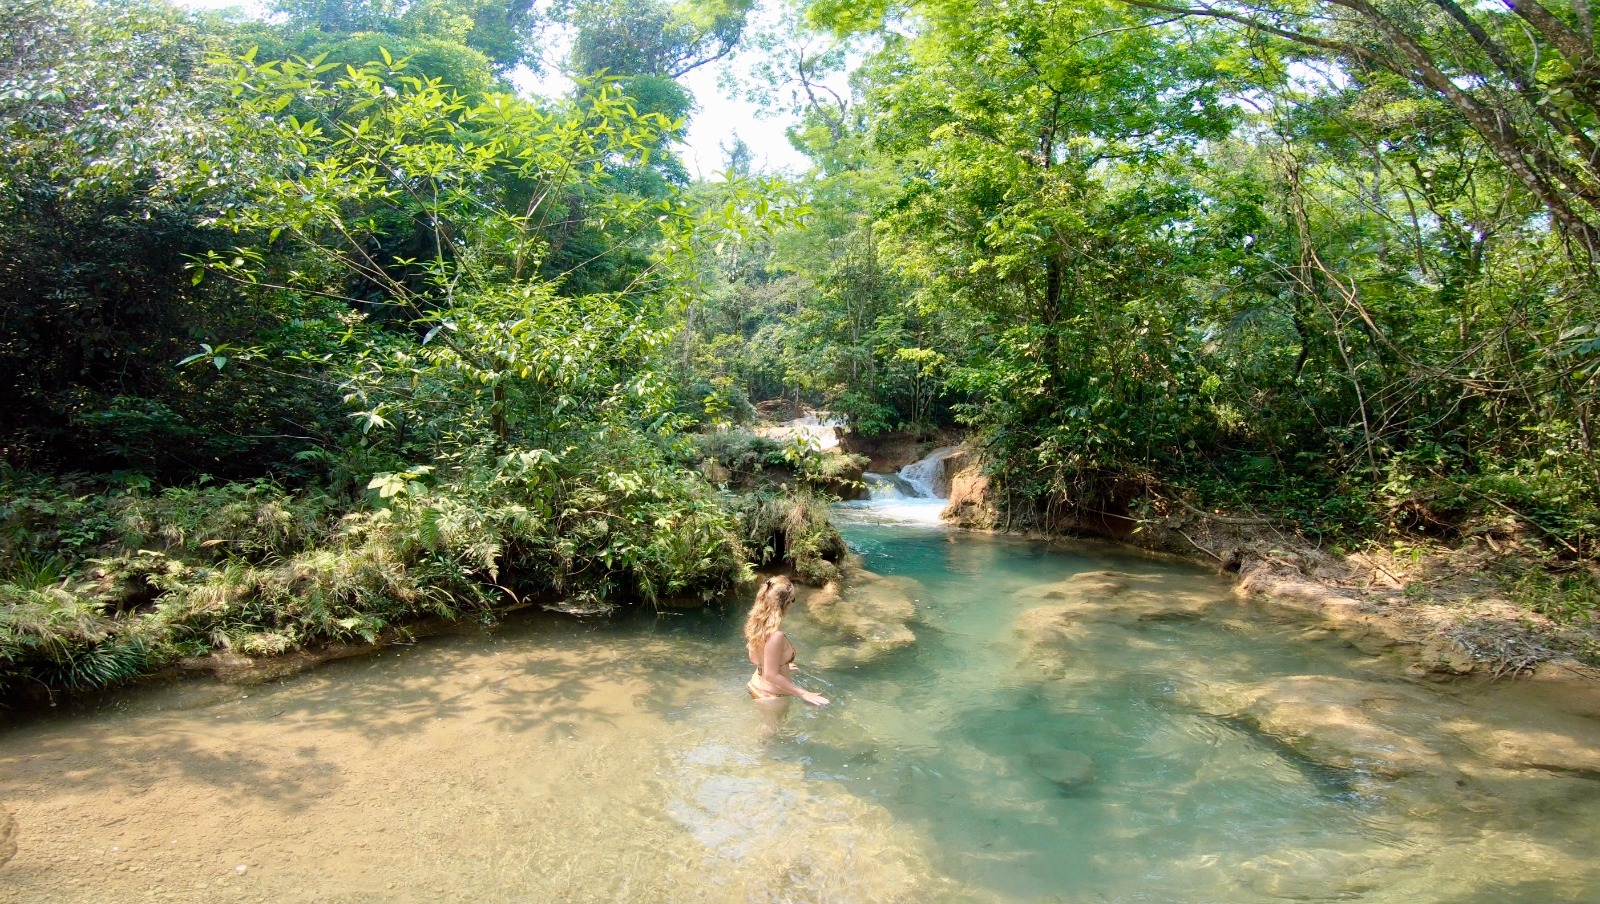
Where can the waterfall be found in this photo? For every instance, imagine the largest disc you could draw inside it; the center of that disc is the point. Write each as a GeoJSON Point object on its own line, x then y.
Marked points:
{"type": "Point", "coordinates": [888, 487]}
{"type": "Point", "coordinates": [908, 497]}
{"type": "Point", "coordinates": [923, 475]}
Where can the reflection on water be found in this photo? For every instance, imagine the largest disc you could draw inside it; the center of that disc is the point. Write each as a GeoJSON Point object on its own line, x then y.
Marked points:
{"type": "Point", "coordinates": [1036, 743]}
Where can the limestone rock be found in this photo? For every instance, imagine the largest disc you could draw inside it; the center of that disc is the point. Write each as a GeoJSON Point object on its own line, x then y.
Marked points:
{"type": "Point", "coordinates": [888, 725]}
{"type": "Point", "coordinates": [950, 465]}
{"type": "Point", "coordinates": [1313, 874]}
{"type": "Point", "coordinates": [1048, 634]}
{"type": "Point", "coordinates": [715, 472]}
{"type": "Point", "coordinates": [931, 473]}
{"type": "Point", "coordinates": [972, 501]}
{"type": "Point", "coordinates": [1368, 631]}
{"type": "Point", "coordinates": [1339, 722]}
{"type": "Point", "coordinates": [1117, 597]}
{"type": "Point", "coordinates": [1443, 656]}
{"type": "Point", "coordinates": [888, 452]}
{"type": "Point", "coordinates": [1566, 747]}
{"type": "Point", "coordinates": [1047, 625]}
{"type": "Point", "coordinates": [869, 613]}
{"type": "Point", "coordinates": [1067, 768]}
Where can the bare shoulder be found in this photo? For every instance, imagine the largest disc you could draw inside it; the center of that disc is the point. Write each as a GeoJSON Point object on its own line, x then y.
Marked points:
{"type": "Point", "coordinates": [776, 640]}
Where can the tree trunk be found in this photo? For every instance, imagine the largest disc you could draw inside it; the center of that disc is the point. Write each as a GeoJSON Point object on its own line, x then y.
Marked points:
{"type": "Point", "coordinates": [1052, 317]}
{"type": "Point", "coordinates": [497, 415]}
{"type": "Point", "coordinates": [1513, 149]}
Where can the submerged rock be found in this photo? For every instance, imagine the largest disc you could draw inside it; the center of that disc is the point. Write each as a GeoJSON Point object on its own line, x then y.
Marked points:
{"type": "Point", "coordinates": [1047, 625]}
{"type": "Point", "coordinates": [1058, 643]}
{"type": "Point", "coordinates": [1566, 746]}
{"type": "Point", "coordinates": [1335, 722]}
{"type": "Point", "coordinates": [887, 724]}
{"type": "Point", "coordinates": [1320, 874]}
{"type": "Point", "coordinates": [869, 613]}
{"type": "Point", "coordinates": [1368, 631]}
{"type": "Point", "coordinates": [1067, 768]}
{"type": "Point", "coordinates": [1048, 633]}
{"type": "Point", "coordinates": [1119, 597]}
{"type": "Point", "coordinates": [743, 818]}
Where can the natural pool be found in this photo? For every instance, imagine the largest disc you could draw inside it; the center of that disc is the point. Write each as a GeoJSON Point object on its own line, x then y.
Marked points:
{"type": "Point", "coordinates": [1027, 723]}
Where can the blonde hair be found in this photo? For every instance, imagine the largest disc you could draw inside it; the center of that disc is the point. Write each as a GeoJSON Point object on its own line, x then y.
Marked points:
{"type": "Point", "coordinates": [772, 601]}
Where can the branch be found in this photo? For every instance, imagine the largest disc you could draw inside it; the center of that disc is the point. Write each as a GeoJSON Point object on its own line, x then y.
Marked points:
{"type": "Point", "coordinates": [1223, 519]}
{"type": "Point", "coordinates": [1344, 47]}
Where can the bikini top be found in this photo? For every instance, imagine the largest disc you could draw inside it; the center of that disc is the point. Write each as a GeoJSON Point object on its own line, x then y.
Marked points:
{"type": "Point", "coordinates": [789, 662]}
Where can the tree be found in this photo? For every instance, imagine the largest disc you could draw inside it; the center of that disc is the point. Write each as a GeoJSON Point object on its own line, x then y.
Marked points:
{"type": "Point", "coordinates": [489, 342]}
{"type": "Point", "coordinates": [653, 37]}
{"type": "Point", "coordinates": [504, 32]}
{"type": "Point", "coordinates": [1521, 76]}
{"type": "Point", "coordinates": [113, 165]}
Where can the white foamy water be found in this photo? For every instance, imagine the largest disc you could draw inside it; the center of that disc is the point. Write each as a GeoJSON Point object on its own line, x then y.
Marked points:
{"type": "Point", "coordinates": [910, 496]}
{"type": "Point", "coordinates": [896, 499]}
{"type": "Point", "coordinates": [922, 476]}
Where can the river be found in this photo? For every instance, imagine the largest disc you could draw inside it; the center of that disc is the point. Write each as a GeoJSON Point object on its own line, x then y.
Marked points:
{"type": "Point", "coordinates": [1013, 721]}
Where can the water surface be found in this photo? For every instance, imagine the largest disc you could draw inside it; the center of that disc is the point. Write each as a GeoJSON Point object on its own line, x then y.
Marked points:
{"type": "Point", "coordinates": [557, 760]}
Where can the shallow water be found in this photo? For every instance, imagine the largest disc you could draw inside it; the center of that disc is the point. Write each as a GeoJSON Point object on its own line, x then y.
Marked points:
{"type": "Point", "coordinates": [554, 760]}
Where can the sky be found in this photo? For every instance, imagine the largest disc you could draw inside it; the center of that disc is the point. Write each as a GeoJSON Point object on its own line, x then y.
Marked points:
{"type": "Point", "coordinates": [720, 116]}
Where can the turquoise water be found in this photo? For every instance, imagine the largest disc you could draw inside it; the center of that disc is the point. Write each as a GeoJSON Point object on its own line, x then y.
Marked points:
{"type": "Point", "coordinates": [942, 734]}
{"type": "Point", "coordinates": [1012, 723]}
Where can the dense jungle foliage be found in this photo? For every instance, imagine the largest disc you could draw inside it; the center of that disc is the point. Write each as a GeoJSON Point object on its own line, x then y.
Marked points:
{"type": "Point", "coordinates": [317, 325]}
{"type": "Point", "coordinates": [1331, 262]}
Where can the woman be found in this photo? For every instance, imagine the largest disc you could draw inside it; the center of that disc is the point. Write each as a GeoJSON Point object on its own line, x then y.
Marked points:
{"type": "Point", "coordinates": [770, 651]}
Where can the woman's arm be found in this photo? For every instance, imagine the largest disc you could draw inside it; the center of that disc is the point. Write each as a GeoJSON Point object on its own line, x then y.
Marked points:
{"type": "Point", "coordinates": [775, 671]}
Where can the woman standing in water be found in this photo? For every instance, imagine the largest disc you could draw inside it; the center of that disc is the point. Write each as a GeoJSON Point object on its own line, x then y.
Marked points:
{"type": "Point", "coordinates": [770, 651]}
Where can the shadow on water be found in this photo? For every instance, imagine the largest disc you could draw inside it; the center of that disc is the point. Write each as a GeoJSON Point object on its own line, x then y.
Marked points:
{"type": "Point", "coordinates": [507, 681]}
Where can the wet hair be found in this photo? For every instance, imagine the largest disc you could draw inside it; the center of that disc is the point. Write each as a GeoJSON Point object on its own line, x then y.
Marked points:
{"type": "Point", "coordinates": [772, 601]}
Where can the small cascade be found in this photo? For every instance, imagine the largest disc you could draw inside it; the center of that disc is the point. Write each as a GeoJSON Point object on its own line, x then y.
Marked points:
{"type": "Point", "coordinates": [888, 487]}
{"type": "Point", "coordinates": [908, 497]}
{"type": "Point", "coordinates": [923, 475]}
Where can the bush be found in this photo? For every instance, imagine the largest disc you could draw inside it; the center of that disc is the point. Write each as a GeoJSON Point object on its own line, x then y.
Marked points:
{"type": "Point", "coordinates": [753, 461]}
{"type": "Point", "coordinates": [96, 588]}
{"type": "Point", "coordinates": [740, 451]}
{"type": "Point", "coordinates": [791, 527]}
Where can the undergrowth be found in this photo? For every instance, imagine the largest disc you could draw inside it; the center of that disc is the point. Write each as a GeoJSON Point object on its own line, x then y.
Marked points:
{"type": "Point", "coordinates": [1569, 593]}
{"type": "Point", "coordinates": [752, 461]}
{"type": "Point", "coordinates": [791, 528]}
{"type": "Point", "coordinates": [97, 587]}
